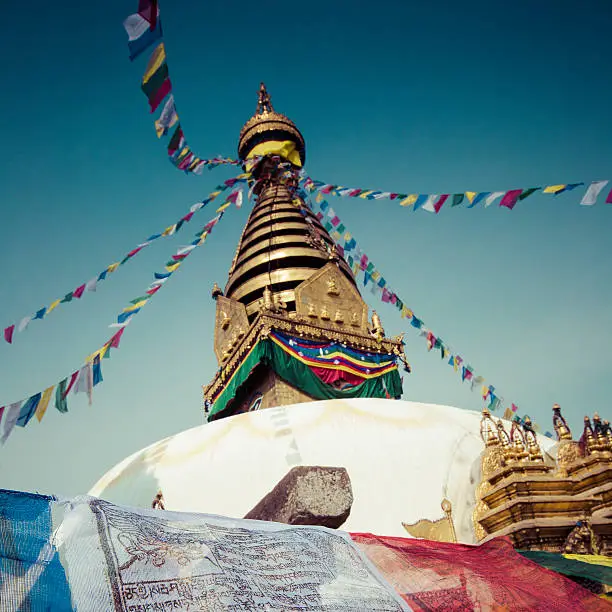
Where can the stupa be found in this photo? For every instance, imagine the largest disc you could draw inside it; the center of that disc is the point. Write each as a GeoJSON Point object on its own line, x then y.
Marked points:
{"type": "Point", "coordinates": [305, 422]}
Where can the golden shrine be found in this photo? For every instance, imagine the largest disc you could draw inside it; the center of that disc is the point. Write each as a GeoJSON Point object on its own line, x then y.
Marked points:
{"type": "Point", "coordinates": [560, 501]}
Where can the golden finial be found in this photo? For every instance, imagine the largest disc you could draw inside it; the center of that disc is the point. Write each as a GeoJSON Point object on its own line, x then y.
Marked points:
{"type": "Point", "coordinates": [216, 291]}
{"type": "Point", "coordinates": [560, 424]}
{"type": "Point", "coordinates": [518, 440]}
{"type": "Point", "coordinates": [377, 328]}
{"type": "Point", "coordinates": [531, 440]}
{"type": "Point", "coordinates": [264, 102]}
{"type": "Point", "coordinates": [488, 431]}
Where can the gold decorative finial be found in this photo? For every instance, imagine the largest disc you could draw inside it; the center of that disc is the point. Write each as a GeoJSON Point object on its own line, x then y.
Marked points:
{"type": "Point", "coordinates": [216, 291]}
{"type": "Point", "coordinates": [560, 424]}
{"type": "Point", "coordinates": [264, 102]}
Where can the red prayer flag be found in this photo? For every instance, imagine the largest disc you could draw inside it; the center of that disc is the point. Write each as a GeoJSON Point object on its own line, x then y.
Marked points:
{"type": "Point", "coordinates": [70, 384]}
{"type": "Point", "coordinates": [511, 198]}
{"type": "Point", "coordinates": [148, 10]}
{"type": "Point", "coordinates": [78, 292]}
{"type": "Point", "coordinates": [609, 198]}
{"type": "Point", "coordinates": [187, 217]}
{"type": "Point", "coordinates": [1, 413]}
{"type": "Point", "coordinates": [514, 407]}
{"type": "Point", "coordinates": [161, 93]}
{"type": "Point", "coordinates": [153, 290]}
{"type": "Point", "coordinates": [134, 251]}
{"type": "Point", "coordinates": [180, 257]}
{"type": "Point", "coordinates": [8, 333]}
{"type": "Point", "coordinates": [438, 205]}
{"type": "Point", "coordinates": [326, 189]}
{"type": "Point", "coordinates": [114, 341]}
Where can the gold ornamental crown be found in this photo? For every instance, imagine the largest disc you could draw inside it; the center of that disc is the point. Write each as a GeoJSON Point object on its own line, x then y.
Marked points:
{"type": "Point", "coordinates": [266, 125]}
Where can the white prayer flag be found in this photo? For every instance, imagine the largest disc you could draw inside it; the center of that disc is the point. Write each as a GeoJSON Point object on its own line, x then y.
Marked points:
{"type": "Point", "coordinates": [590, 197]}
{"type": "Point", "coordinates": [490, 199]}
{"type": "Point", "coordinates": [429, 204]}
{"type": "Point", "coordinates": [10, 419]}
{"type": "Point", "coordinates": [23, 323]}
{"type": "Point", "coordinates": [135, 26]}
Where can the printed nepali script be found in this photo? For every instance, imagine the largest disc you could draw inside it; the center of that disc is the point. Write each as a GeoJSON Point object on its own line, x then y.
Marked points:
{"type": "Point", "coordinates": [164, 561]}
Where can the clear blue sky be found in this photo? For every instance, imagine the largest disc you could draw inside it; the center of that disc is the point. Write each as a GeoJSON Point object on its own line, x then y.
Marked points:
{"type": "Point", "coordinates": [394, 95]}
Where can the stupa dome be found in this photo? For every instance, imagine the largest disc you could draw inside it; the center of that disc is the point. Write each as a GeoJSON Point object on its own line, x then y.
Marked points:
{"type": "Point", "coordinates": [403, 459]}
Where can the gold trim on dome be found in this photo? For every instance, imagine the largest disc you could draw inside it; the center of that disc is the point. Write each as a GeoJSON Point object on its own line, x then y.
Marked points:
{"type": "Point", "coordinates": [267, 123]}
{"type": "Point", "coordinates": [271, 243]}
{"type": "Point", "coordinates": [273, 278]}
{"type": "Point", "coordinates": [273, 256]}
{"type": "Point", "coordinates": [275, 219]}
{"type": "Point", "coordinates": [264, 231]}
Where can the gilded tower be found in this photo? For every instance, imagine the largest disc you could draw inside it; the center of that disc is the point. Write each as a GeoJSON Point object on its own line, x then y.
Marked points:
{"type": "Point", "coordinates": [291, 325]}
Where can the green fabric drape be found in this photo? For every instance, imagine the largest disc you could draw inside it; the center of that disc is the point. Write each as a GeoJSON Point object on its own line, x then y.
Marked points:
{"type": "Point", "coordinates": [570, 567]}
{"type": "Point", "coordinates": [301, 376]}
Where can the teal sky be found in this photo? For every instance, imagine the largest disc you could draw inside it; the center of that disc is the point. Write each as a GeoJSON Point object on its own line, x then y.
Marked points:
{"type": "Point", "coordinates": [394, 95]}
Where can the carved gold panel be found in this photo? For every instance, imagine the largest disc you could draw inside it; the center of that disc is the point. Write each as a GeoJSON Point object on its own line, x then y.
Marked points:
{"type": "Point", "coordinates": [329, 297]}
{"type": "Point", "coordinates": [231, 324]}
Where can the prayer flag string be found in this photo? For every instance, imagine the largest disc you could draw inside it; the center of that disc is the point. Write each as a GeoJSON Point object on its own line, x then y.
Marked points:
{"type": "Point", "coordinates": [469, 199]}
{"type": "Point", "coordinates": [91, 284]}
{"type": "Point", "coordinates": [144, 30]}
{"type": "Point", "coordinates": [89, 374]}
{"type": "Point", "coordinates": [360, 264]}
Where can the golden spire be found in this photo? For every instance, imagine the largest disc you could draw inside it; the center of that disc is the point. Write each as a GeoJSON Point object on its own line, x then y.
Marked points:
{"type": "Point", "coordinates": [560, 424]}
{"type": "Point", "coordinates": [264, 102]}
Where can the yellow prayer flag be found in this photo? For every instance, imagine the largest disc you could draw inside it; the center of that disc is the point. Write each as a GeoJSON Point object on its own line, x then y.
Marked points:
{"type": "Point", "coordinates": [223, 207]}
{"type": "Point", "coordinates": [53, 306]}
{"type": "Point", "coordinates": [173, 267]}
{"type": "Point", "coordinates": [214, 194]}
{"type": "Point", "coordinates": [243, 175]}
{"type": "Point", "coordinates": [157, 59]}
{"type": "Point", "coordinates": [554, 188]}
{"type": "Point", "coordinates": [365, 194]}
{"type": "Point", "coordinates": [169, 230]}
{"type": "Point", "coordinates": [44, 402]}
{"type": "Point", "coordinates": [470, 195]}
{"type": "Point", "coordinates": [112, 267]}
{"type": "Point", "coordinates": [319, 198]}
{"type": "Point", "coordinates": [135, 306]}
{"type": "Point", "coordinates": [375, 275]}
{"type": "Point", "coordinates": [410, 200]}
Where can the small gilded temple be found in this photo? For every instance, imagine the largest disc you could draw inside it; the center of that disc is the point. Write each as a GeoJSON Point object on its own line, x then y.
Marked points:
{"type": "Point", "coordinates": [305, 424]}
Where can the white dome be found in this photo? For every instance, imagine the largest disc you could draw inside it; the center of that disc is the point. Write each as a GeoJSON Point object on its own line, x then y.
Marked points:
{"type": "Point", "coordinates": [402, 458]}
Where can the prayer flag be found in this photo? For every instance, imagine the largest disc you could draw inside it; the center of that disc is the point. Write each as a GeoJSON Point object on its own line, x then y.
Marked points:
{"type": "Point", "coordinates": [67, 298]}
{"type": "Point", "coordinates": [28, 410]}
{"type": "Point", "coordinates": [593, 191]}
{"type": "Point", "coordinates": [527, 193]}
{"type": "Point", "coordinates": [23, 323]}
{"type": "Point", "coordinates": [491, 198]}
{"type": "Point", "coordinates": [158, 57]}
{"type": "Point", "coordinates": [429, 204]}
{"type": "Point", "coordinates": [554, 189]}
{"type": "Point", "coordinates": [420, 201]}
{"type": "Point", "coordinates": [44, 403]}
{"type": "Point", "coordinates": [8, 333]}
{"type": "Point", "coordinates": [73, 379]}
{"type": "Point", "coordinates": [514, 407]}
{"type": "Point", "coordinates": [161, 93]}
{"type": "Point", "coordinates": [112, 267]}
{"type": "Point", "coordinates": [478, 198]}
{"type": "Point", "coordinates": [609, 198]}
{"type": "Point", "coordinates": [140, 43]}
{"type": "Point", "coordinates": [470, 195]}
{"type": "Point", "coordinates": [511, 198]}
{"type": "Point", "coordinates": [149, 10]}
{"type": "Point", "coordinates": [53, 306]}
{"type": "Point", "coordinates": [40, 314]}
{"type": "Point", "coordinates": [440, 202]}
{"type": "Point", "coordinates": [90, 285]}
{"type": "Point", "coordinates": [10, 419]}
{"type": "Point", "coordinates": [124, 316]}
{"type": "Point", "coordinates": [60, 396]}
{"type": "Point", "coordinates": [97, 371]}
{"type": "Point", "coordinates": [116, 339]}
{"type": "Point", "coordinates": [78, 292]}
{"type": "Point", "coordinates": [457, 199]}
{"type": "Point", "coordinates": [408, 201]}
{"type": "Point", "coordinates": [175, 140]}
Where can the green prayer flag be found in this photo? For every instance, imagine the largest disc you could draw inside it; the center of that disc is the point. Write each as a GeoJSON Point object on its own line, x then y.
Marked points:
{"type": "Point", "coordinates": [143, 297]}
{"type": "Point", "coordinates": [457, 199]}
{"type": "Point", "coordinates": [528, 192]}
{"type": "Point", "coordinates": [67, 297]}
{"type": "Point", "coordinates": [60, 401]}
{"type": "Point", "coordinates": [341, 229]}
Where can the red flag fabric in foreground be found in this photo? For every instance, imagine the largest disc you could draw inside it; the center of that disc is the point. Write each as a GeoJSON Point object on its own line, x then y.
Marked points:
{"type": "Point", "coordinates": [436, 576]}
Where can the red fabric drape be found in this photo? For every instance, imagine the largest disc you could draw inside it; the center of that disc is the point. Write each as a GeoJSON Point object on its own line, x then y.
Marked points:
{"type": "Point", "coordinates": [329, 377]}
{"type": "Point", "coordinates": [436, 576]}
